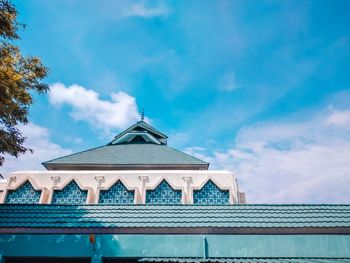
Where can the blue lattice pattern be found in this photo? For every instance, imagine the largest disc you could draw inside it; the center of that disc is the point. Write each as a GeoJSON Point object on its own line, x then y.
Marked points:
{"type": "Point", "coordinates": [70, 195]}
{"type": "Point", "coordinates": [163, 194]}
{"type": "Point", "coordinates": [117, 194]}
{"type": "Point", "coordinates": [25, 194]}
{"type": "Point", "coordinates": [210, 194]}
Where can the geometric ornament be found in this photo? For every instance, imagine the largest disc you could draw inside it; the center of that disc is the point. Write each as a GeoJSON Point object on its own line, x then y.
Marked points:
{"type": "Point", "coordinates": [210, 194]}
{"type": "Point", "coordinates": [70, 195]}
{"type": "Point", "coordinates": [117, 194]}
{"type": "Point", "coordinates": [26, 194]}
{"type": "Point", "coordinates": [163, 194]}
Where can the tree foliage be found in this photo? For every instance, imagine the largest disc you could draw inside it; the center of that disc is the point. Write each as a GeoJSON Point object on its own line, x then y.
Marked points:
{"type": "Point", "coordinates": [19, 78]}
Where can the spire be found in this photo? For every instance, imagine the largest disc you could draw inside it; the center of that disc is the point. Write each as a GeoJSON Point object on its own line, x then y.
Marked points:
{"type": "Point", "coordinates": [143, 113]}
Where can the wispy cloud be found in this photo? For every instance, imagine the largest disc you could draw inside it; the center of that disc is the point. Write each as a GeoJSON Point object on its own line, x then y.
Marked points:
{"type": "Point", "coordinates": [38, 139]}
{"type": "Point", "coordinates": [119, 112]}
{"type": "Point", "coordinates": [141, 10]}
{"type": "Point", "coordinates": [291, 162]}
{"type": "Point", "coordinates": [228, 82]}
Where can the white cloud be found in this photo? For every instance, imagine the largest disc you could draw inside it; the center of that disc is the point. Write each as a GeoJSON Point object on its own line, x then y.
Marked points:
{"type": "Point", "coordinates": [140, 10]}
{"type": "Point", "coordinates": [291, 162]}
{"type": "Point", "coordinates": [119, 112]}
{"type": "Point", "coordinates": [339, 118]}
{"type": "Point", "coordinates": [38, 139]}
{"type": "Point", "coordinates": [228, 82]}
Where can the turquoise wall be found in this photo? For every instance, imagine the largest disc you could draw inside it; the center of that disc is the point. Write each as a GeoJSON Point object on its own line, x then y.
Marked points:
{"type": "Point", "coordinates": [176, 245]}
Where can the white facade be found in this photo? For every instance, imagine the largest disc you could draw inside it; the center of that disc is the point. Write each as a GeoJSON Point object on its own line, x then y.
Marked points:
{"type": "Point", "coordinates": [139, 180]}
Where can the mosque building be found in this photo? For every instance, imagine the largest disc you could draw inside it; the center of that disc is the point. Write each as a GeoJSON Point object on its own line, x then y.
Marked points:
{"type": "Point", "coordinates": [136, 199]}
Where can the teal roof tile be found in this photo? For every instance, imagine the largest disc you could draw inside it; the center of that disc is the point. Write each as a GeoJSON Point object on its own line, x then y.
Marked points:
{"type": "Point", "coordinates": [176, 216]}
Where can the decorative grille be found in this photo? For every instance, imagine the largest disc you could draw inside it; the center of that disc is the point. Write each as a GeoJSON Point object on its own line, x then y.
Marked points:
{"type": "Point", "coordinates": [163, 194]}
{"type": "Point", "coordinates": [117, 194]}
{"type": "Point", "coordinates": [210, 194]}
{"type": "Point", "coordinates": [25, 194]}
{"type": "Point", "coordinates": [70, 195]}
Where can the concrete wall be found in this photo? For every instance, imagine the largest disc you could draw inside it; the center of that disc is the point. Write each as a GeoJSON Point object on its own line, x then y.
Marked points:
{"type": "Point", "coordinates": [193, 246]}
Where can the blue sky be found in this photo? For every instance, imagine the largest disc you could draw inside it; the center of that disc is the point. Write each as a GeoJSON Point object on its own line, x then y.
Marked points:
{"type": "Point", "coordinates": [261, 88]}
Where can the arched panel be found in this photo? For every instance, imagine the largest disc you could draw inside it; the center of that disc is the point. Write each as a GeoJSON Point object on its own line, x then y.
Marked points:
{"type": "Point", "coordinates": [117, 194]}
{"type": "Point", "coordinates": [210, 194]}
{"type": "Point", "coordinates": [163, 194]}
{"type": "Point", "coordinates": [70, 195]}
{"type": "Point", "coordinates": [25, 194]}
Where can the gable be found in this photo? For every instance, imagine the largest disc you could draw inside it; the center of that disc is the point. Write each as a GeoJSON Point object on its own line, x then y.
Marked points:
{"type": "Point", "coordinates": [143, 127]}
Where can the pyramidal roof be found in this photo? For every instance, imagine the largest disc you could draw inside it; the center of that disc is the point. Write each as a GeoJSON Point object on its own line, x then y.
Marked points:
{"type": "Point", "coordinates": [140, 147]}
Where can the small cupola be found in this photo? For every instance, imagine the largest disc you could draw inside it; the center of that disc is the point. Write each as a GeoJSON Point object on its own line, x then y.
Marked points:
{"type": "Point", "coordinates": [140, 132]}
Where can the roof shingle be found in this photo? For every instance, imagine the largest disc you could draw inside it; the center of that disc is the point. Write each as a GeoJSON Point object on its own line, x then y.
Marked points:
{"type": "Point", "coordinates": [175, 216]}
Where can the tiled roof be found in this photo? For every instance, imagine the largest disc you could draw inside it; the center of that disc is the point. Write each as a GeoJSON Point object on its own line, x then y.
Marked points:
{"type": "Point", "coordinates": [244, 260]}
{"type": "Point", "coordinates": [129, 154]}
{"type": "Point", "coordinates": [176, 216]}
{"type": "Point", "coordinates": [137, 151]}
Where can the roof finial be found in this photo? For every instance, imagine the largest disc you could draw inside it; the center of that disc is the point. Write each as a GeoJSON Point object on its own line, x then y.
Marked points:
{"type": "Point", "coordinates": [143, 113]}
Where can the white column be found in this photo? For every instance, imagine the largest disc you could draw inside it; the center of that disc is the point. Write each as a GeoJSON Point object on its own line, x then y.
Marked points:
{"type": "Point", "coordinates": [188, 197]}
{"type": "Point", "coordinates": [144, 180]}
{"type": "Point", "coordinates": [99, 181]}
{"type": "Point", "coordinates": [56, 180]}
